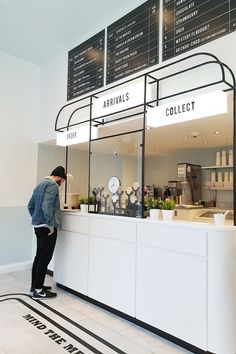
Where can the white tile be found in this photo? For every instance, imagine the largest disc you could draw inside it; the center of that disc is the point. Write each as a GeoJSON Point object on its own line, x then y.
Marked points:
{"type": "Point", "coordinates": [128, 345]}
{"type": "Point", "coordinates": [118, 324]}
{"type": "Point", "coordinates": [151, 341]}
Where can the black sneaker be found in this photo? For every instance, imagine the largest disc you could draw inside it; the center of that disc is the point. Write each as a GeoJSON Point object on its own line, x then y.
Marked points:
{"type": "Point", "coordinates": [46, 288]}
{"type": "Point", "coordinates": [43, 294]}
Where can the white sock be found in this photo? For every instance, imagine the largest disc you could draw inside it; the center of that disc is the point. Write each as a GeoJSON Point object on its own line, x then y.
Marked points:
{"type": "Point", "coordinates": [38, 290]}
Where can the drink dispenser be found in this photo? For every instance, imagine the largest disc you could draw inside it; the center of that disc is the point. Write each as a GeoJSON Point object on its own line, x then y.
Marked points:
{"type": "Point", "coordinates": [190, 180]}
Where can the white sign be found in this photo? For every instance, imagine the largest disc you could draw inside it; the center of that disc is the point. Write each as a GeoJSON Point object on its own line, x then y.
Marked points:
{"type": "Point", "coordinates": [76, 136]}
{"type": "Point", "coordinates": [200, 106]}
{"type": "Point", "coordinates": [118, 100]}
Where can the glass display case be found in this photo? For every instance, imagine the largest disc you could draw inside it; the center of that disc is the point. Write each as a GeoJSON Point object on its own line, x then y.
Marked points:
{"type": "Point", "coordinates": [116, 174]}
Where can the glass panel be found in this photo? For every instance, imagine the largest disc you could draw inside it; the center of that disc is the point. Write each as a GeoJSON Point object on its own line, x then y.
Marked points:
{"type": "Point", "coordinates": [77, 174]}
{"type": "Point", "coordinates": [207, 142]}
{"type": "Point", "coordinates": [115, 174]}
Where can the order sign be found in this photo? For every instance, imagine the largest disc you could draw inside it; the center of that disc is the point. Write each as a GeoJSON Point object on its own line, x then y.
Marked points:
{"type": "Point", "coordinates": [200, 106]}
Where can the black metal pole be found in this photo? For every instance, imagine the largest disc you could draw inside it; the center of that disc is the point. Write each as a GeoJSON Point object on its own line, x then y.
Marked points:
{"type": "Point", "coordinates": [143, 143]}
{"type": "Point", "coordinates": [90, 152]}
{"type": "Point", "coordinates": [66, 168]}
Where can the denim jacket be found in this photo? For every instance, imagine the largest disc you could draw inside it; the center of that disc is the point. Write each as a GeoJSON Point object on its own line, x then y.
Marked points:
{"type": "Point", "coordinates": [44, 205]}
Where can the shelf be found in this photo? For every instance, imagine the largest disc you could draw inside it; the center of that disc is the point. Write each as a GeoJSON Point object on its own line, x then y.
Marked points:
{"type": "Point", "coordinates": [219, 188]}
{"type": "Point", "coordinates": [216, 167]}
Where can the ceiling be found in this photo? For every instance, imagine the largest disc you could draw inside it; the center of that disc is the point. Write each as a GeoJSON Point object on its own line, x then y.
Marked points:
{"type": "Point", "coordinates": [36, 31]}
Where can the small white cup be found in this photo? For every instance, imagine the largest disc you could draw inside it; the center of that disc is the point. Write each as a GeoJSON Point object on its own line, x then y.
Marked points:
{"type": "Point", "coordinates": [219, 219]}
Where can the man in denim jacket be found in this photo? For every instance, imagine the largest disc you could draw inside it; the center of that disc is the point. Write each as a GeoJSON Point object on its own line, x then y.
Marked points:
{"type": "Point", "coordinates": [44, 208]}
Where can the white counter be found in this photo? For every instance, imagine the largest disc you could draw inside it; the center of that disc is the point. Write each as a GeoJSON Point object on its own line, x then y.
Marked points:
{"type": "Point", "coordinates": [179, 277]}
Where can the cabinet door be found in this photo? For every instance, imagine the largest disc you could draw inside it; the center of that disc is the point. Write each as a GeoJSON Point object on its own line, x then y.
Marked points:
{"type": "Point", "coordinates": [112, 261]}
{"type": "Point", "coordinates": [171, 293]}
{"type": "Point", "coordinates": [71, 260]}
{"type": "Point", "coordinates": [112, 273]}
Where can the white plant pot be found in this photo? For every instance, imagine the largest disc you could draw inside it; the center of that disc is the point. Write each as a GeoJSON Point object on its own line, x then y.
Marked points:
{"type": "Point", "coordinates": [84, 208]}
{"type": "Point", "coordinates": [91, 207]}
{"type": "Point", "coordinates": [167, 215]}
{"type": "Point", "coordinates": [154, 214]}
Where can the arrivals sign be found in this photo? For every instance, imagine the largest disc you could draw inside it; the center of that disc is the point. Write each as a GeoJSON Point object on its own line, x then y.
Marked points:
{"type": "Point", "coordinates": [205, 105]}
{"type": "Point", "coordinates": [118, 100]}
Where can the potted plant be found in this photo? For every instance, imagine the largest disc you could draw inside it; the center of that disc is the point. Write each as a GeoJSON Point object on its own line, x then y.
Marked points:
{"type": "Point", "coordinates": [87, 203]}
{"type": "Point", "coordinates": [168, 206]}
{"type": "Point", "coordinates": [153, 205]}
{"type": "Point", "coordinates": [91, 203]}
{"type": "Point", "coordinates": [83, 202]}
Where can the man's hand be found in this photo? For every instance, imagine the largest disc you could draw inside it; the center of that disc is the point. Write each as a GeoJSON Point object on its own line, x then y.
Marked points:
{"type": "Point", "coordinates": [51, 230]}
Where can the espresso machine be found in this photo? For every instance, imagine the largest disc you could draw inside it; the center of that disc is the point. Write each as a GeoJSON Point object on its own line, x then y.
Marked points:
{"type": "Point", "coordinates": [173, 190]}
{"type": "Point", "coordinates": [189, 176]}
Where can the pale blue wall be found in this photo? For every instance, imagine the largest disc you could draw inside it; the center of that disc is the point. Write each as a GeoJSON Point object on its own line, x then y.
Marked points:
{"type": "Point", "coordinates": [15, 235]}
{"type": "Point", "coordinates": [19, 103]}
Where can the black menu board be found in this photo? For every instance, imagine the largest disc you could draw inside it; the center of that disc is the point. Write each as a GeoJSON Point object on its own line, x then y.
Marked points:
{"type": "Point", "coordinates": [188, 24]}
{"type": "Point", "coordinates": [86, 66]}
{"type": "Point", "coordinates": [132, 41]}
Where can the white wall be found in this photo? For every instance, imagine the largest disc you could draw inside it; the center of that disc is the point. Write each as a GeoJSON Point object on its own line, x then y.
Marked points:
{"type": "Point", "coordinates": [19, 105]}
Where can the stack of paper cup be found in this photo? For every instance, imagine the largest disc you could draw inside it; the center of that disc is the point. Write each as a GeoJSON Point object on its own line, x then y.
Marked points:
{"type": "Point", "coordinates": [226, 176]}
{"type": "Point", "coordinates": [219, 176]}
{"type": "Point", "coordinates": [219, 219]}
{"type": "Point", "coordinates": [223, 158]}
{"type": "Point", "coordinates": [230, 157]}
{"type": "Point", "coordinates": [213, 176]}
{"type": "Point", "coordinates": [218, 161]}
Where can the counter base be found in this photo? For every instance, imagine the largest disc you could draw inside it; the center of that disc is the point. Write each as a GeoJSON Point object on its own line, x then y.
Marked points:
{"type": "Point", "coordinates": [134, 320]}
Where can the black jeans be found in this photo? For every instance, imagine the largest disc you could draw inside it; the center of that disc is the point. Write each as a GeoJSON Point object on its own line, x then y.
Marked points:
{"type": "Point", "coordinates": [45, 248]}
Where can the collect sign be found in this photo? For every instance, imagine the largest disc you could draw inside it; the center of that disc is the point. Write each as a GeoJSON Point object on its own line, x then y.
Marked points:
{"type": "Point", "coordinates": [118, 100]}
{"type": "Point", "coordinates": [188, 24]}
{"type": "Point", "coordinates": [200, 106]}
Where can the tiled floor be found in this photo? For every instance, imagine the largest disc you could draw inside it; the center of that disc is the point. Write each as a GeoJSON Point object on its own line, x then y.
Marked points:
{"type": "Point", "coordinates": [67, 324]}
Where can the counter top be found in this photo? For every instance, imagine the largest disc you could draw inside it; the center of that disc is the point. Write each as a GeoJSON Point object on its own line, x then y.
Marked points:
{"type": "Point", "coordinates": [178, 223]}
